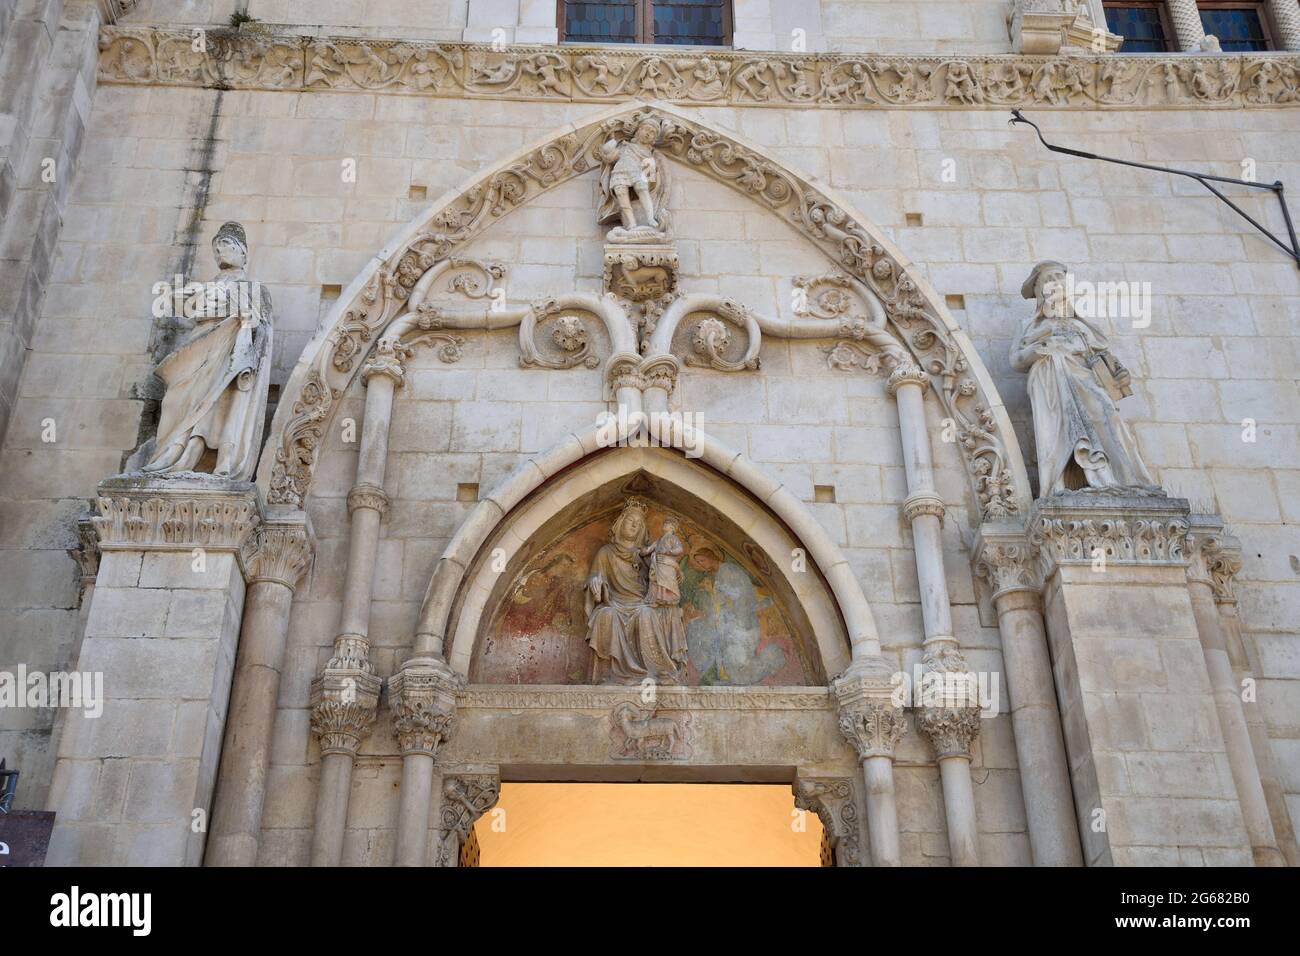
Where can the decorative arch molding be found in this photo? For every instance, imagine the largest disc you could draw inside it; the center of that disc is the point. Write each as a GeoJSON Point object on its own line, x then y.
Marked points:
{"type": "Point", "coordinates": [772, 516]}
{"type": "Point", "coordinates": [665, 478]}
{"type": "Point", "coordinates": [913, 312]}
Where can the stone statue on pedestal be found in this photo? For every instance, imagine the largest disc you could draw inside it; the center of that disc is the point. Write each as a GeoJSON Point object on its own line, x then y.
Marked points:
{"type": "Point", "coordinates": [1074, 384]}
{"type": "Point", "coordinates": [218, 377]}
{"type": "Point", "coordinates": [634, 186]}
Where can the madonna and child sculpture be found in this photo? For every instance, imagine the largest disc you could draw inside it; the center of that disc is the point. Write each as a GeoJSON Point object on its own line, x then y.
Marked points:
{"type": "Point", "coordinates": [1074, 383]}
{"type": "Point", "coordinates": [634, 617]}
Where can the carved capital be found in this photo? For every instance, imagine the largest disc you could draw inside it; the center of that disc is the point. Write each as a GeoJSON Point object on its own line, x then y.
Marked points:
{"type": "Point", "coordinates": [1002, 557]}
{"type": "Point", "coordinates": [951, 730]}
{"type": "Point", "coordinates": [1213, 557]}
{"type": "Point", "coordinates": [389, 361]}
{"type": "Point", "coordinates": [623, 370]}
{"type": "Point", "coordinates": [870, 718]}
{"type": "Point", "coordinates": [423, 697]}
{"type": "Point", "coordinates": [366, 495]}
{"type": "Point", "coordinates": [343, 706]}
{"type": "Point", "coordinates": [465, 798]}
{"type": "Point", "coordinates": [86, 554]}
{"type": "Point", "coordinates": [923, 503]}
{"type": "Point", "coordinates": [280, 550]}
{"type": "Point", "coordinates": [907, 373]}
{"type": "Point", "coordinates": [661, 371]}
{"type": "Point", "coordinates": [831, 798]}
{"type": "Point", "coordinates": [175, 514]}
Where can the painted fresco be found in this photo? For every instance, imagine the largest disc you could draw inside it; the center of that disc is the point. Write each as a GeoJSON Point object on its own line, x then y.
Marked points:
{"type": "Point", "coordinates": [736, 631]}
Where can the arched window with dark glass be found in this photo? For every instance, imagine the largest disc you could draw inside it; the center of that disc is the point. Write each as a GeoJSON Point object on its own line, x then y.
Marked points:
{"type": "Point", "coordinates": [682, 22]}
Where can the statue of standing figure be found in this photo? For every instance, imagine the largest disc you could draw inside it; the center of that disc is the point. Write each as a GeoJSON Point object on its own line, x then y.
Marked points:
{"type": "Point", "coordinates": [218, 377]}
{"type": "Point", "coordinates": [633, 186]}
{"type": "Point", "coordinates": [1082, 440]}
{"type": "Point", "coordinates": [634, 617]}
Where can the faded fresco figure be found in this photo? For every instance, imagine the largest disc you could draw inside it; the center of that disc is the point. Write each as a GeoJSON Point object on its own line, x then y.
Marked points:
{"type": "Point", "coordinates": [633, 637]}
{"type": "Point", "coordinates": [1074, 383]}
{"type": "Point", "coordinates": [218, 377]}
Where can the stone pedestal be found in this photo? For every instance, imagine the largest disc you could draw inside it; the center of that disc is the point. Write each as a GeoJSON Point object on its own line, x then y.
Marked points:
{"type": "Point", "coordinates": [1151, 776]}
{"type": "Point", "coordinates": [134, 786]}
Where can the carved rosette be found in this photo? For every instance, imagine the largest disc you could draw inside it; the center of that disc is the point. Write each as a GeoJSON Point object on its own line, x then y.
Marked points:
{"type": "Point", "coordinates": [280, 551]}
{"type": "Point", "coordinates": [832, 799]}
{"type": "Point", "coordinates": [465, 798]}
{"type": "Point", "coordinates": [950, 730]}
{"type": "Point", "coordinates": [870, 717]}
{"type": "Point", "coordinates": [175, 514]}
{"type": "Point", "coordinates": [423, 698]}
{"type": "Point", "coordinates": [367, 495]}
{"type": "Point", "coordinates": [344, 702]}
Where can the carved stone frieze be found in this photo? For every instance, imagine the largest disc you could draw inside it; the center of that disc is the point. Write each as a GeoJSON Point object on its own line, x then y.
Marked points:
{"type": "Point", "coordinates": [648, 733]}
{"type": "Point", "coordinates": [265, 60]}
{"type": "Point", "coordinates": [175, 514]}
{"type": "Point", "coordinates": [1088, 528]}
{"type": "Point", "coordinates": [832, 799]}
{"type": "Point", "coordinates": [517, 698]}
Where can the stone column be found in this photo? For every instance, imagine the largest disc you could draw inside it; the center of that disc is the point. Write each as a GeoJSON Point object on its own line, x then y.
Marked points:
{"type": "Point", "coordinates": [951, 722]}
{"type": "Point", "coordinates": [1137, 706]}
{"type": "Point", "coordinates": [1205, 561]}
{"type": "Point", "coordinates": [1187, 25]}
{"type": "Point", "coordinates": [423, 698]}
{"type": "Point", "coordinates": [873, 722]}
{"type": "Point", "coordinates": [1004, 559]}
{"type": "Point", "coordinates": [276, 558]}
{"type": "Point", "coordinates": [1286, 18]}
{"type": "Point", "coordinates": [345, 696]}
{"type": "Point", "coordinates": [133, 786]}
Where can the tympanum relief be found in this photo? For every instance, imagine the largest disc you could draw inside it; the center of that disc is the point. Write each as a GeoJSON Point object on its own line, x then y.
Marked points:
{"type": "Point", "coordinates": [641, 593]}
{"type": "Point", "coordinates": [1075, 382]}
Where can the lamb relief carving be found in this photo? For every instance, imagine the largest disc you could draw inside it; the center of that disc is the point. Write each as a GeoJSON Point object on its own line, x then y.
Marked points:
{"type": "Point", "coordinates": [1074, 383]}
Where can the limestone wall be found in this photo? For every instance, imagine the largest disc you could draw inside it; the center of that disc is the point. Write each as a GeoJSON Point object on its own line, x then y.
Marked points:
{"type": "Point", "coordinates": [163, 167]}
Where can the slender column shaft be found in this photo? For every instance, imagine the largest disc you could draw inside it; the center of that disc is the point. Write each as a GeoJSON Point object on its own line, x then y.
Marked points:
{"type": "Point", "coordinates": [882, 810]}
{"type": "Point", "coordinates": [413, 813]}
{"type": "Point", "coordinates": [1232, 720]}
{"type": "Point", "coordinates": [924, 510]}
{"type": "Point", "coordinates": [246, 751]}
{"type": "Point", "coordinates": [331, 808]}
{"type": "Point", "coordinates": [1286, 18]}
{"type": "Point", "coordinates": [1187, 24]}
{"type": "Point", "coordinates": [1036, 723]}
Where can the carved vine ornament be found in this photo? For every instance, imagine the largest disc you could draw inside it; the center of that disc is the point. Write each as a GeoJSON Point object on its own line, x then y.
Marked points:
{"type": "Point", "coordinates": [231, 59]}
{"type": "Point", "coordinates": [872, 310]}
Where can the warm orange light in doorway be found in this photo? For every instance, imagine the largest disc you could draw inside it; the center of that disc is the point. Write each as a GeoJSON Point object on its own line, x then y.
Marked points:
{"type": "Point", "coordinates": [648, 824]}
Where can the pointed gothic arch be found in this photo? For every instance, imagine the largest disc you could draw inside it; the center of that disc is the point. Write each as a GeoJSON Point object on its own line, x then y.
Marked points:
{"type": "Point", "coordinates": [382, 293]}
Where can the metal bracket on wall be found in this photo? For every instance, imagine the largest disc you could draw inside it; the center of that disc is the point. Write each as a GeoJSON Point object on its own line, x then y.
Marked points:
{"type": "Point", "coordinates": [1205, 179]}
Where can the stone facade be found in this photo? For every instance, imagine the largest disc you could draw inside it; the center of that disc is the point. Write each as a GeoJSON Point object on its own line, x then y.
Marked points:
{"type": "Point", "coordinates": [831, 308]}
